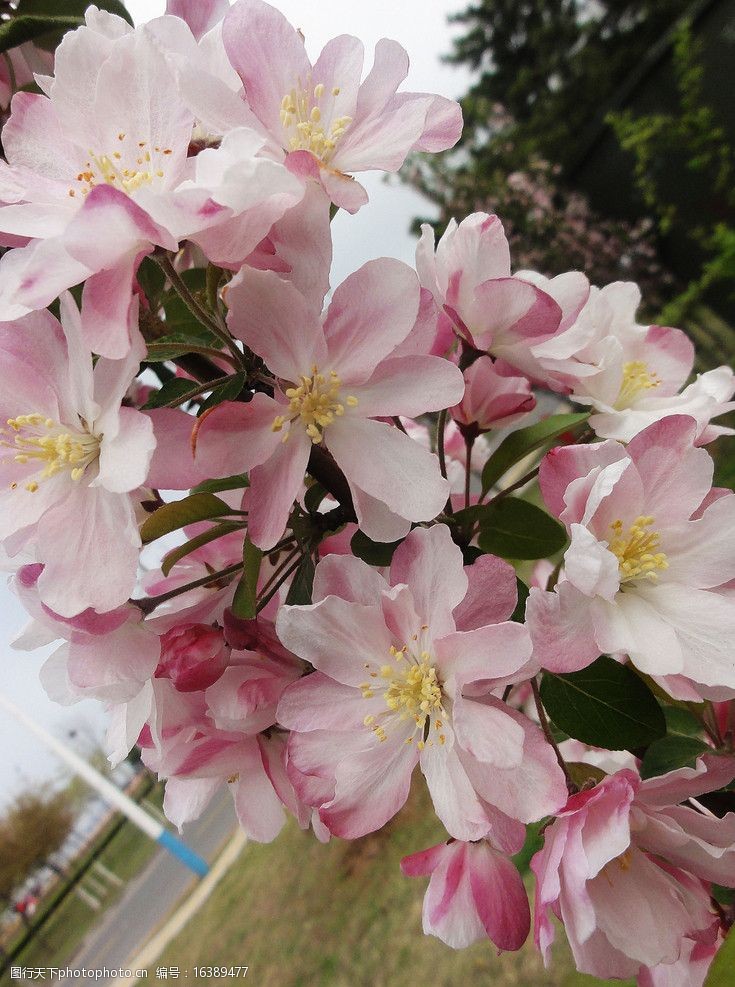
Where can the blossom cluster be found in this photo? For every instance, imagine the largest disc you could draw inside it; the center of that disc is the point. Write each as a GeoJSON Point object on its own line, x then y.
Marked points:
{"type": "Point", "coordinates": [271, 522]}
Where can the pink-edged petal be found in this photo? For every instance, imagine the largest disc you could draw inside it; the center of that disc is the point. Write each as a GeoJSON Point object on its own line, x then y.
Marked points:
{"type": "Point", "coordinates": [349, 578]}
{"type": "Point", "coordinates": [259, 810]}
{"type": "Point", "coordinates": [454, 797]}
{"type": "Point", "coordinates": [423, 863]}
{"type": "Point", "coordinates": [371, 312]}
{"type": "Point", "coordinates": [491, 594]}
{"type": "Point", "coordinates": [589, 566]}
{"type": "Point", "coordinates": [508, 312]}
{"type": "Point", "coordinates": [533, 789]}
{"type": "Point", "coordinates": [371, 786]}
{"type": "Point", "coordinates": [337, 637]}
{"type": "Point", "coordinates": [235, 436]}
{"type": "Point", "coordinates": [124, 458]}
{"type": "Point", "coordinates": [562, 632]}
{"type": "Point", "coordinates": [274, 486]}
{"type": "Point", "coordinates": [487, 733]}
{"type": "Point", "coordinates": [187, 798]}
{"type": "Point", "coordinates": [499, 896]}
{"type": "Point", "coordinates": [377, 520]}
{"type": "Point", "coordinates": [200, 15]}
{"type": "Point", "coordinates": [494, 651]}
{"type": "Point", "coordinates": [389, 466]}
{"type": "Point", "coordinates": [173, 466]}
{"type": "Point", "coordinates": [410, 386]}
{"type": "Point", "coordinates": [676, 477]}
{"type": "Point", "coordinates": [431, 564]}
{"type": "Point", "coordinates": [563, 464]}
{"type": "Point", "coordinates": [710, 772]}
{"type": "Point", "coordinates": [91, 562]}
{"type": "Point", "coordinates": [276, 321]}
{"type": "Point", "coordinates": [268, 54]}
{"type": "Point", "coordinates": [317, 702]}
{"type": "Point", "coordinates": [449, 910]}
{"type": "Point", "coordinates": [107, 307]}
{"type": "Point", "coordinates": [389, 69]}
{"type": "Point", "coordinates": [32, 277]}
{"type": "Point", "coordinates": [701, 553]}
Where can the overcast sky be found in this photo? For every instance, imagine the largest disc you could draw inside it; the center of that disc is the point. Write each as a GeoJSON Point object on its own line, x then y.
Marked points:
{"type": "Point", "coordinates": [379, 229]}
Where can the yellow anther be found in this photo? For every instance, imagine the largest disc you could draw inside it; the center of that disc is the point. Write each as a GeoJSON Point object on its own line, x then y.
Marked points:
{"type": "Point", "coordinates": [636, 550]}
{"type": "Point", "coordinates": [301, 118]}
{"type": "Point", "coordinates": [315, 401]}
{"type": "Point", "coordinates": [40, 440]}
{"type": "Point", "coordinates": [336, 91]}
{"type": "Point", "coordinates": [636, 379]}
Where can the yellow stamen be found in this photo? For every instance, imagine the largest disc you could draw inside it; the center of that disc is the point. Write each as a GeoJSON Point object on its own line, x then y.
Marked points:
{"type": "Point", "coordinates": [36, 438]}
{"type": "Point", "coordinates": [636, 550]}
{"type": "Point", "coordinates": [636, 379]}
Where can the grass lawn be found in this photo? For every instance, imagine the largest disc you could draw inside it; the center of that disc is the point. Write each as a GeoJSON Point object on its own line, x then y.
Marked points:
{"type": "Point", "coordinates": [125, 855]}
{"type": "Point", "coordinates": [301, 913]}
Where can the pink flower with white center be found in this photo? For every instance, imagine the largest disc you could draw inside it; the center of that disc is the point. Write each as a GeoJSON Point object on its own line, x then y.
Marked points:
{"type": "Point", "coordinates": [630, 375]}
{"type": "Point", "coordinates": [406, 672]}
{"type": "Point", "coordinates": [321, 118]}
{"type": "Point", "coordinates": [98, 175]}
{"type": "Point", "coordinates": [470, 278]}
{"type": "Point", "coordinates": [475, 893]}
{"type": "Point", "coordinates": [651, 548]}
{"type": "Point", "coordinates": [333, 377]}
{"type": "Point", "coordinates": [73, 461]}
{"type": "Point", "coordinates": [491, 400]}
{"type": "Point", "coordinates": [624, 867]}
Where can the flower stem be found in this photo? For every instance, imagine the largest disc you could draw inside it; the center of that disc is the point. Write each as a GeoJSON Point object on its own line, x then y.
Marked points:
{"type": "Point", "coordinates": [199, 312]}
{"type": "Point", "coordinates": [543, 720]}
{"type": "Point", "coordinates": [149, 603]}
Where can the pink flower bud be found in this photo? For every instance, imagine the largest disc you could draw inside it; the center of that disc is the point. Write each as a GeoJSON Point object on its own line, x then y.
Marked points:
{"type": "Point", "coordinates": [193, 656]}
{"type": "Point", "coordinates": [490, 399]}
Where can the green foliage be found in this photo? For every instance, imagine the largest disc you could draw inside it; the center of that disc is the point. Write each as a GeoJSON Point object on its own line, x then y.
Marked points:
{"type": "Point", "coordinates": [45, 21]}
{"type": "Point", "coordinates": [693, 133]}
{"type": "Point", "coordinates": [604, 705]}
{"type": "Point", "coordinates": [721, 972]}
{"type": "Point", "coordinates": [514, 529]}
{"type": "Point", "coordinates": [246, 592]}
{"type": "Point", "coordinates": [372, 552]}
{"type": "Point", "coordinates": [171, 517]}
{"type": "Point", "coordinates": [524, 441]}
{"type": "Point", "coordinates": [299, 592]}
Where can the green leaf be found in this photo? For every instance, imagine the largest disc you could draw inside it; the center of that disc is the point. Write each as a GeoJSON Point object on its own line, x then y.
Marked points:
{"type": "Point", "coordinates": [584, 775]}
{"type": "Point", "coordinates": [171, 517]}
{"type": "Point", "coordinates": [175, 389]}
{"type": "Point", "coordinates": [235, 482]}
{"type": "Point", "coordinates": [175, 345]}
{"type": "Point", "coordinates": [315, 494]}
{"type": "Point", "coordinates": [520, 443]}
{"type": "Point", "coordinates": [720, 973]}
{"type": "Point", "coordinates": [71, 8]}
{"type": "Point", "coordinates": [671, 752]}
{"type": "Point", "coordinates": [372, 552]}
{"type": "Point", "coordinates": [514, 529]}
{"type": "Point", "coordinates": [244, 603]}
{"type": "Point", "coordinates": [151, 279]}
{"type": "Point", "coordinates": [21, 29]}
{"type": "Point", "coordinates": [181, 551]}
{"type": "Point", "coordinates": [299, 592]}
{"type": "Point", "coordinates": [519, 614]}
{"type": "Point", "coordinates": [604, 705]}
{"type": "Point", "coordinates": [228, 391]}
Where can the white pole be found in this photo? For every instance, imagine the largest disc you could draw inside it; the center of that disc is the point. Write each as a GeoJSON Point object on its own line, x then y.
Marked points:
{"type": "Point", "coordinates": [109, 792]}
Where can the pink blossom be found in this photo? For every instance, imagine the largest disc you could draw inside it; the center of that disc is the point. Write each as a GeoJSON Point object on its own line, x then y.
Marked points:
{"type": "Point", "coordinates": [406, 671]}
{"type": "Point", "coordinates": [491, 399]}
{"type": "Point", "coordinates": [470, 279]}
{"type": "Point", "coordinates": [98, 175]}
{"type": "Point", "coordinates": [321, 119]}
{"type": "Point", "coordinates": [200, 15]}
{"type": "Point", "coordinates": [74, 461]}
{"type": "Point", "coordinates": [630, 375]}
{"type": "Point", "coordinates": [475, 892]}
{"type": "Point", "coordinates": [333, 377]}
{"type": "Point", "coordinates": [623, 866]}
{"type": "Point", "coordinates": [650, 550]}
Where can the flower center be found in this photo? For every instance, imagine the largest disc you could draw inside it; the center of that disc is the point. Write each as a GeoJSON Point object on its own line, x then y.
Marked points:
{"type": "Point", "coordinates": [43, 441]}
{"type": "Point", "coordinates": [135, 164]}
{"type": "Point", "coordinates": [636, 550]}
{"type": "Point", "coordinates": [636, 380]}
{"type": "Point", "coordinates": [301, 117]}
{"type": "Point", "coordinates": [411, 689]}
{"type": "Point", "coordinates": [316, 401]}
